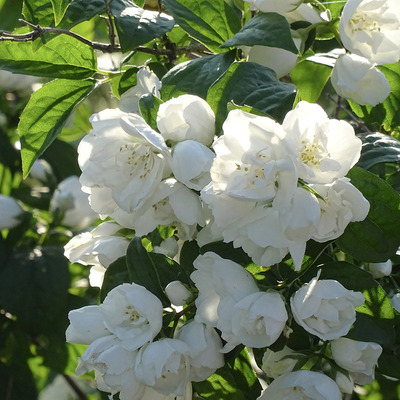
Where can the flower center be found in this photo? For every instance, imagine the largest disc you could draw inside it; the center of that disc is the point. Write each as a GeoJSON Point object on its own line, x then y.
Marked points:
{"type": "Point", "coordinates": [132, 314]}
{"type": "Point", "coordinates": [311, 153]}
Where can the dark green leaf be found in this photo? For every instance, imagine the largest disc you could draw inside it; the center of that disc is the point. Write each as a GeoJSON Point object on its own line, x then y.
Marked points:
{"type": "Point", "coordinates": [45, 115]}
{"type": "Point", "coordinates": [210, 22]}
{"type": "Point", "coordinates": [265, 29]}
{"type": "Point", "coordinates": [377, 238]}
{"type": "Point", "coordinates": [10, 11]}
{"type": "Point", "coordinates": [143, 270]}
{"type": "Point", "coordinates": [128, 80]}
{"type": "Point", "coordinates": [226, 250]}
{"type": "Point", "coordinates": [38, 12]}
{"type": "Point", "coordinates": [378, 148]}
{"type": "Point", "coordinates": [136, 26]}
{"type": "Point", "coordinates": [387, 113]}
{"type": "Point", "coordinates": [81, 10]}
{"type": "Point", "coordinates": [34, 287]}
{"type": "Point", "coordinates": [189, 252]}
{"type": "Point", "coordinates": [17, 382]}
{"type": "Point", "coordinates": [310, 79]}
{"type": "Point", "coordinates": [116, 274]}
{"type": "Point", "coordinates": [61, 57]}
{"type": "Point", "coordinates": [149, 105]}
{"type": "Point", "coordinates": [59, 8]}
{"type": "Point", "coordinates": [234, 381]}
{"type": "Point", "coordinates": [196, 76]}
{"type": "Point", "coordinates": [253, 85]}
{"type": "Point", "coordinates": [389, 364]}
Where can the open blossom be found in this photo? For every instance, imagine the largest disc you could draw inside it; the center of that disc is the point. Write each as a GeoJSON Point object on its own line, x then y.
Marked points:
{"type": "Point", "coordinates": [10, 212]}
{"type": "Point", "coordinates": [357, 79]}
{"type": "Point", "coordinates": [341, 203]}
{"type": "Point", "coordinates": [359, 358]}
{"type": "Point", "coordinates": [122, 160]}
{"type": "Point", "coordinates": [302, 384]}
{"type": "Point", "coordinates": [325, 308]}
{"type": "Point", "coordinates": [99, 248]}
{"type": "Point", "coordinates": [371, 29]}
{"type": "Point", "coordinates": [186, 117]}
{"type": "Point", "coordinates": [205, 349]}
{"type": "Point", "coordinates": [191, 162]}
{"type": "Point", "coordinates": [278, 6]}
{"type": "Point", "coordinates": [323, 149]}
{"type": "Point", "coordinates": [164, 365]}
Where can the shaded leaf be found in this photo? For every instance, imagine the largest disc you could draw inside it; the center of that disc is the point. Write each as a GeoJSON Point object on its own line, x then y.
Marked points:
{"type": "Point", "coordinates": [116, 274]}
{"type": "Point", "coordinates": [136, 26]}
{"type": "Point", "coordinates": [196, 76]}
{"type": "Point", "coordinates": [149, 106]}
{"type": "Point", "coordinates": [377, 238]}
{"type": "Point", "coordinates": [210, 22]}
{"type": "Point", "coordinates": [45, 115]}
{"type": "Point", "coordinates": [81, 10]}
{"type": "Point", "coordinates": [265, 29]}
{"type": "Point", "coordinates": [59, 8]}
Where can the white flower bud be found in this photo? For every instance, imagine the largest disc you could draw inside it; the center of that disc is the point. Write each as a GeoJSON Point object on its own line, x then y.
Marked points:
{"type": "Point", "coordinates": [345, 383]}
{"type": "Point", "coordinates": [395, 300]}
{"type": "Point", "coordinates": [177, 293]}
{"type": "Point", "coordinates": [10, 212]}
{"type": "Point", "coordinates": [379, 270]}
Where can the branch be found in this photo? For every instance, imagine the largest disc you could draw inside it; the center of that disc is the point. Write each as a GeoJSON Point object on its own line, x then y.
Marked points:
{"type": "Point", "coordinates": [81, 395]}
{"type": "Point", "coordinates": [110, 23]}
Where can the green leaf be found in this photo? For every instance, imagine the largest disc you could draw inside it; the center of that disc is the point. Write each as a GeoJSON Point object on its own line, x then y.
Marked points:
{"type": "Point", "coordinates": [387, 113]}
{"type": "Point", "coordinates": [250, 84]}
{"type": "Point", "coordinates": [38, 12]}
{"type": "Point", "coordinates": [210, 22]}
{"type": "Point", "coordinates": [61, 57]}
{"type": "Point", "coordinates": [59, 8]}
{"type": "Point", "coordinates": [235, 381]}
{"type": "Point", "coordinates": [45, 115]}
{"type": "Point", "coordinates": [116, 274]}
{"type": "Point", "coordinates": [149, 106]}
{"type": "Point", "coordinates": [375, 319]}
{"type": "Point", "coordinates": [81, 10]}
{"type": "Point", "coordinates": [143, 271]}
{"type": "Point", "coordinates": [377, 238]}
{"type": "Point", "coordinates": [265, 29]}
{"type": "Point", "coordinates": [378, 148]}
{"type": "Point", "coordinates": [310, 79]}
{"type": "Point", "coordinates": [136, 26]}
{"type": "Point", "coordinates": [389, 364]}
{"type": "Point", "coordinates": [34, 287]}
{"type": "Point", "coordinates": [196, 76]}
{"type": "Point", "coordinates": [128, 80]}
{"type": "Point", "coordinates": [335, 7]}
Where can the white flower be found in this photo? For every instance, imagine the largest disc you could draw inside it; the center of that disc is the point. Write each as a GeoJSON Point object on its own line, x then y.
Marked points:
{"type": "Point", "coordinates": [186, 117]}
{"type": "Point", "coordinates": [99, 247]}
{"type": "Point", "coordinates": [395, 300]}
{"type": "Point", "coordinates": [177, 293]}
{"type": "Point", "coordinates": [345, 383]}
{"type": "Point", "coordinates": [41, 170]}
{"type": "Point", "coordinates": [168, 247]}
{"type": "Point", "coordinates": [86, 325]}
{"type": "Point", "coordinates": [113, 366]}
{"type": "Point", "coordinates": [359, 358]}
{"type": "Point", "coordinates": [73, 204]}
{"type": "Point", "coordinates": [217, 278]}
{"type": "Point", "coordinates": [371, 29]}
{"type": "Point", "coordinates": [172, 203]}
{"type": "Point", "coordinates": [302, 384]}
{"type": "Point", "coordinates": [10, 212]}
{"type": "Point", "coordinates": [147, 82]}
{"type": "Point", "coordinates": [323, 149]}
{"type": "Point", "coordinates": [191, 163]}
{"type": "Point", "coordinates": [379, 270]}
{"type": "Point", "coordinates": [164, 365]}
{"type": "Point", "coordinates": [133, 314]}
{"type": "Point", "coordinates": [341, 203]}
{"type": "Point", "coordinates": [304, 12]}
{"type": "Point", "coordinates": [325, 308]}
{"type": "Point", "coordinates": [122, 161]}
{"type": "Point", "coordinates": [276, 363]}
{"type": "Point", "coordinates": [205, 345]}
{"type": "Point", "coordinates": [278, 6]}
{"type": "Point", "coordinates": [151, 394]}
{"type": "Point", "coordinates": [280, 60]}
{"type": "Point", "coordinates": [258, 319]}
{"type": "Point", "coordinates": [357, 79]}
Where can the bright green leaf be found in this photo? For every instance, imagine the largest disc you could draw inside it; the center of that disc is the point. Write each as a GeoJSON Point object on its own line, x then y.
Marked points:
{"type": "Point", "coordinates": [61, 57]}
{"type": "Point", "coordinates": [310, 79]}
{"type": "Point", "coordinates": [38, 12]}
{"type": "Point", "coordinates": [377, 238]}
{"type": "Point", "coordinates": [136, 26]}
{"type": "Point", "coordinates": [265, 29]}
{"type": "Point", "coordinates": [45, 115]}
{"type": "Point", "coordinates": [196, 76]}
{"type": "Point", "coordinates": [387, 113]}
{"type": "Point", "coordinates": [210, 22]}
{"type": "Point", "coordinates": [149, 106]}
{"type": "Point", "coordinates": [81, 10]}
{"type": "Point", "coordinates": [59, 8]}
{"type": "Point", "coordinates": [378, 148]}
{"type": "Point", "coordinates": [253, 85]}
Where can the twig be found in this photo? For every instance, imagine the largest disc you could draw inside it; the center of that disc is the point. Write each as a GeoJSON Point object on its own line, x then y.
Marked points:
{"type": "Point", "coordinates": [110, 23]}
{"type": "Point", "coordinates": [81, 395]}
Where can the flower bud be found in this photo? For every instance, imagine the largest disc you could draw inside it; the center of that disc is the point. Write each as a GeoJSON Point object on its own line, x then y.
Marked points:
{"type": "Point", "coordinates": [379, 270]}
{"type": "Point", "coordinates": [10, 212]}
{"type": "Point", "coordinates": [177, 293]}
